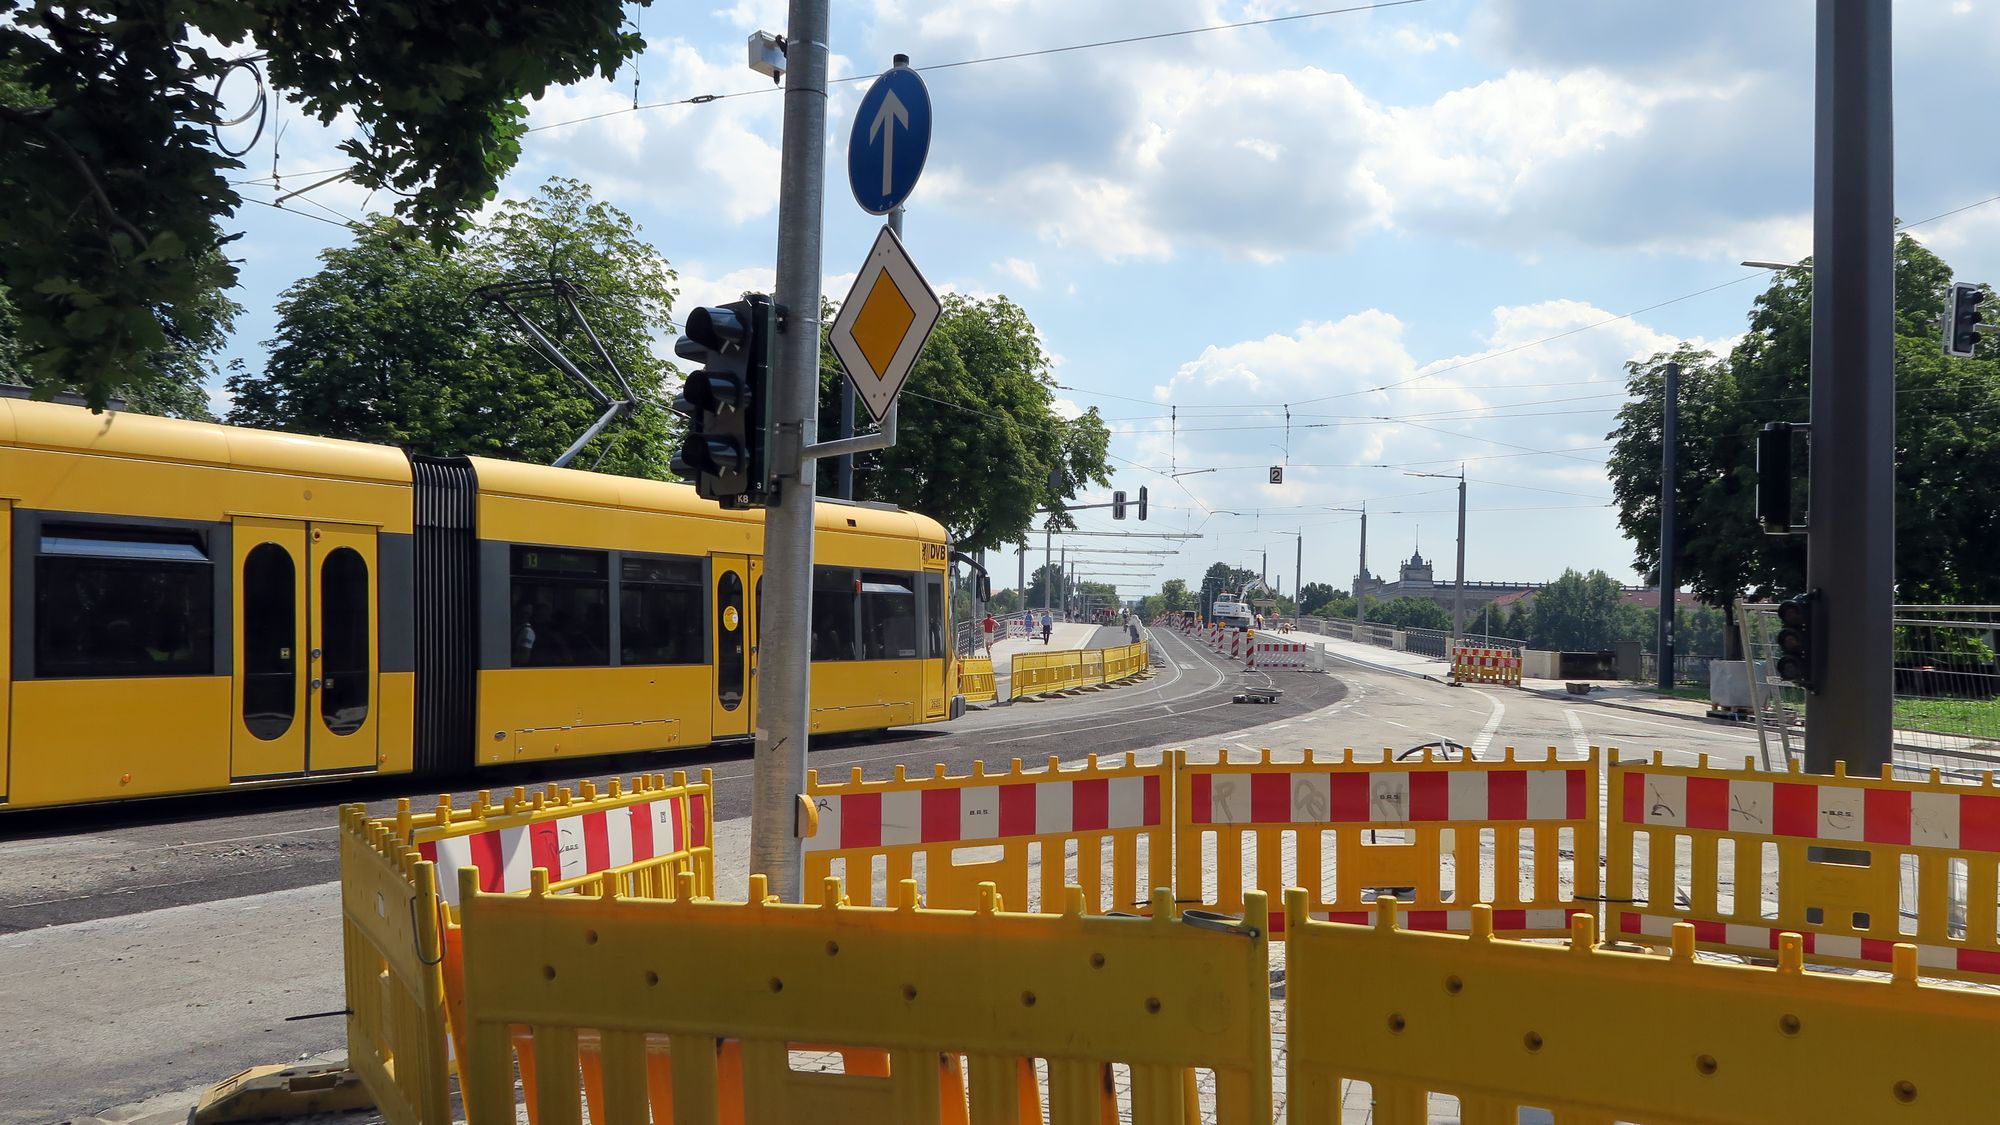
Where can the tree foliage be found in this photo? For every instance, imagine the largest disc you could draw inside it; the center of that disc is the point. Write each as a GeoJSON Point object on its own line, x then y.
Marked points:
{"type": "Point", "coordinates": [1409, 612]}
{"type": "Point", "coordinates": [979, 444]}
{"type": "Point", "coordinates": [387, 343]}
{"type": "Point", "coordinates": [113, 195]}
{"type": "Point", "coordinates": [1947, 437]}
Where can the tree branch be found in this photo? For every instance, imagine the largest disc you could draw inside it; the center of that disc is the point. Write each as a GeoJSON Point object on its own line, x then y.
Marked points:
{"type": "Point", "coordinates": [82, 167]}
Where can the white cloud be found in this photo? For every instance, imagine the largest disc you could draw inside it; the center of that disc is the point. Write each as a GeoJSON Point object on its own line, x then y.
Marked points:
{"type": "Point", "coordinates": [1021, 270]}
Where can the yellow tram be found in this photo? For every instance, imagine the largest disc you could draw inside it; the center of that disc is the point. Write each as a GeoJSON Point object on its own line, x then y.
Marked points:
{"type": "Point", "coordinates": [190, 607]}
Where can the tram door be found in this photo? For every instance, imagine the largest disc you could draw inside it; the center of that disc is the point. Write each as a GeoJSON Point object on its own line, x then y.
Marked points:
{"type": "Point", "coordinates": [731, 593]}
{"type": "Point", "coordinates": [305, 666]}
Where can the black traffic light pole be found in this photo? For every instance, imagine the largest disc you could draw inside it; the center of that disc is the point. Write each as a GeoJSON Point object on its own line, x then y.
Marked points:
{"type": "Point", "coordinates": [1851, 522]}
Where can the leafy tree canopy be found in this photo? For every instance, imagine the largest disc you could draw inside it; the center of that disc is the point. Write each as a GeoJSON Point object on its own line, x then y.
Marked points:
{"type": "Point", "coordinates": [1947, 437]}
{"type": "Point", "coordinates": [979, 445]}
{"type": "Point", "coordinates": [113, 194]}
{"type": "Point", "coordinates": [387, 343]}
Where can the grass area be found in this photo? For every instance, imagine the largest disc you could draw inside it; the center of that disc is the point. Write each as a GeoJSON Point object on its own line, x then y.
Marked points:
{"type": "Point", "coordinates": [1977, 718]}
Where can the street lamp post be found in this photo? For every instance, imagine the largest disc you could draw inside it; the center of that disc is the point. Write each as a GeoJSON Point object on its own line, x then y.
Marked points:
{"type": "Point", "coordinates": [1458, 601]}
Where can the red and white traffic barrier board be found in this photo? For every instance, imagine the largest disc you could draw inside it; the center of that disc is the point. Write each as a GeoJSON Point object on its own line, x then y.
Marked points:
{"type": "Point", "coordinates": [567, 847]}
{"type": "Point", "coordinates": [1390, 796]}
{"type": "Point", "coordinates": [1280, 655]}
{"type": "Point", "coordinates": [977, 813]}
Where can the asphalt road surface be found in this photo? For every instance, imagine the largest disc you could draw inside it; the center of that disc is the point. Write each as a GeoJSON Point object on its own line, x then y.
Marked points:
{"type": "Point", "coordinates": [148, 953]}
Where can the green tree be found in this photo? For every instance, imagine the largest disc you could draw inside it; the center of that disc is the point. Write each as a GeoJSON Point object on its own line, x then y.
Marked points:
{"type": "Point", "coordinates": [172, 380]}
{"type": "Point", "coordinates": [113, 194]}
{"type": "Point", "coordinates": [1577, 612]}
{"type": "Point", "coordinates": [979, 445]}
{"type": "Point", "coordinates": [1947, 432]}
{"type": "Point", "coordinates": [1175, 597]}
{"type": "Point", "coordinates": [386, 343]}
{"type": "Point", "coordinates": [1409, 612]}
{"type": "Point", "coordinates": [1318, 595]}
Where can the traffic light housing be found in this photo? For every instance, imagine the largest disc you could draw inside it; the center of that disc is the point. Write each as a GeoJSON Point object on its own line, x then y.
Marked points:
{"type": "Point", "coordinates": [1961, 320]}
{"type": "Point", "coordinates": [1797, 618]}
{"type": "Point", "coordinates": [1142, 501]}
{"type": "Point", "coordinates": [726, 401]}
{"type": "Point", "coordinates": [1118, 505]}
{"type": "Point", "coordinates": [1774, 478]}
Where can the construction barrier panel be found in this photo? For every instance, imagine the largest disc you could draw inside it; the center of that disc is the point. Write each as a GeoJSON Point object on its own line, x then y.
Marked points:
{"type": "Point", "coordinates": [1856, 864]}
{"type": "Point", "coordinates": [1486, 666]}
{"type": "Point", "coordinates": [975, 679]}
{"type": "Point", "coordinates": [1520, 835]}
{"type": "Point", "coordinates": [698, 1005]}
{"type": "Point", "coordinates": [400, 940]}
{"type": "Point", "coordinates": [1104, 828]}
{"type": "Point", "coordinates": [1595, 1036]}
{"type": "Point", "coordinates": [1293, 656]}
{"type": "Point", "coordinates": [1044, 673]}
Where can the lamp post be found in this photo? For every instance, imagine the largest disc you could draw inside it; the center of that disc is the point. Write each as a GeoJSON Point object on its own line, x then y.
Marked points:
{"type": "Point", "coordinates": [1458, 602]}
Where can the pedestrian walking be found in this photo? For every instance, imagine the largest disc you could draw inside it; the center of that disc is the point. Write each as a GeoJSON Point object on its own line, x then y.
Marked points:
{"type": "Point", "coordinates": [1048, 626]}
{"type": "Point", "coordinates": [988, 626]}
{"type": "Point", "coordinates": [1132, 626]}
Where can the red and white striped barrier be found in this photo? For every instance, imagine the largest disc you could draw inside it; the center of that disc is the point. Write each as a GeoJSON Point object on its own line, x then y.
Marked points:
{"type": "Point", "coordinates": [1847, 947]}
{"type": "Point", "coordinates": [569, 847]}
{"type": "Point", "coordinates": [1486, 666]}
{"type": "Point", "coordinates": [978, 813]}
{"type": "Point", "coordinates": [1965, 821]}
{"type": "Point", "coordinates": [1390, 796]}
{"type": "Point", "coordinates": [1280, 655]}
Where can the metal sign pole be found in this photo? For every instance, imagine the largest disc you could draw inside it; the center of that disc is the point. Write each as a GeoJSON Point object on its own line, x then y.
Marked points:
{"type": "Point", "coordinates": [783, 713]}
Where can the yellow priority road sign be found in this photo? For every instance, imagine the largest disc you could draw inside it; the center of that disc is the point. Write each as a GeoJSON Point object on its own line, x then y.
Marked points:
{"type": "Point", "coordinates": [883, 323]}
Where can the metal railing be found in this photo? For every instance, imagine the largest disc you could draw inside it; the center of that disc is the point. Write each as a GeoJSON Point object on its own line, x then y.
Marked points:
{"type": "Point", "coordinates": [1946, 690]}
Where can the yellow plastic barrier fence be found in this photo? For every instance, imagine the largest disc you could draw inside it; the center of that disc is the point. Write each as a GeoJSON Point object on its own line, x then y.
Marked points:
{"type": "Point", "coordinates": [1855, 864]}
{"type": "Point", "coordinates": [1521, 835]}
{"type": "Point", "coordinates": [975, 679]}
{"type": "Point", "coordinates": [1105, 828]}
{"type": "Point", "coordinates": [1486, 666]}
{"type": "Point", "coordinates": [391, 950]}
{"type": "Point", "coordinates": [400, 944]}
{"type": "Point", "coordinates": [1041, 673]}
{"type": "Point", "coordinates": [1596, 1036]}
{"type": "Point", "coordinates": [1158, 996]}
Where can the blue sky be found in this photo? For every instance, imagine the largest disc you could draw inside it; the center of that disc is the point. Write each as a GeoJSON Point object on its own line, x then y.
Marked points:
{"type": "Point", "coordinates": [1454, 196]}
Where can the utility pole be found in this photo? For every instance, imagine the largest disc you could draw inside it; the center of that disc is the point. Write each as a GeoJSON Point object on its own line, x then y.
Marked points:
{"type": "Point", "coordinates": [1048, 563]}
{"type": "Point", "coordinates": [1298, 583]}
{"type": "Point", "coordinates": [1021, 583]}
{"type": "Point", "coordinates": [1361, 573]}
{"type": "Point", "coordinates": [1670, 409]}
{"type": "Point", "coordinates": [1851, 522]}
{"type": "Point", "coordinates": [1458, 601]}
{"type": "Point", "coordinates": [783, 718]}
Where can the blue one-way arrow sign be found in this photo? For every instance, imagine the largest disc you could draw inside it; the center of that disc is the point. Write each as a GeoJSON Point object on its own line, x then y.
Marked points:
{"type": "Point", "coordinates": [891, 139]}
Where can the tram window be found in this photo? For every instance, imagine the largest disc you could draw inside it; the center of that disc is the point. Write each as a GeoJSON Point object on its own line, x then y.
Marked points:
{"type": "Point", "coordinates": [118, 601]}
{"type": "Point", "coordinates": [934, 615]}
{"type": "Point", "coordinates": [344, 643]}
{"type": "Point", "coordinates": [888, 616]}
{"type": "Point", "coordinates": [561, 608]}
{"type": "Point", "coordinates": [660, 612]}
{"type": "Point", "coordinates": [270, 640]}
{"type": "Point", "coordinates": [834, 636]}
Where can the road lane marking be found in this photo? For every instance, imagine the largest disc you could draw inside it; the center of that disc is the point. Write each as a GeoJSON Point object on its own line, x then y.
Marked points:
{"type": "Point", "coordinates": [1577, 738]}
{"type": "Point", "coordinates": [1486, 732]}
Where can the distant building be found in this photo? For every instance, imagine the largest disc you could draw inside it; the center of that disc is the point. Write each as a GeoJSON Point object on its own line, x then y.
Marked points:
{"type": "Point", "coordinates": [1417, 579]}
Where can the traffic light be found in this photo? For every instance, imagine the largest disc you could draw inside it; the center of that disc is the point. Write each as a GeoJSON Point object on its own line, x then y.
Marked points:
{"type": "Point", "coordinates": [1961, 320]}
{"type": "Point", "coordinates": [1118, 505]}
{"type": "Point", "coordinates": [1774, 478]}
{"type": "Point", "coordinates": [726, 401]}
{"type": "Point", "coordinates": [1795, 639]}
{"type": "Point", "coordinates": [1142, 501]}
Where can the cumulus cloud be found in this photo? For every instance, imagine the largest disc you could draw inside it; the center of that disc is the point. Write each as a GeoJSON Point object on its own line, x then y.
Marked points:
{"type": "Point", "coordinates": [1021, 270]}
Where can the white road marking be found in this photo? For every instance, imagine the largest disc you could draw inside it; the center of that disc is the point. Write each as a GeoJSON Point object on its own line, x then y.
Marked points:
{"type": "Point", "coordinates": [1395, 724]}
{"type": "Point", "coordinates": [1486, 732]}
{"type": "Point", "coordinates": [1578, 740]}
